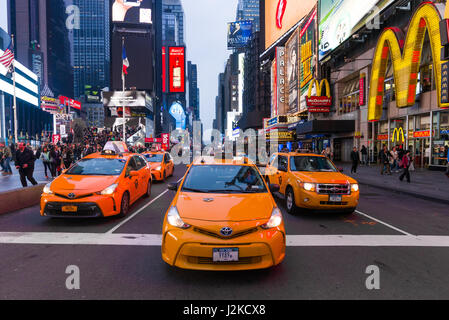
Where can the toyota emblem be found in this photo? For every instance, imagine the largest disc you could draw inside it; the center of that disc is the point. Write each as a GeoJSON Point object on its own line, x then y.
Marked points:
{"type": "Point", "coordinates": [226, 231]}
{"type": "Point", "coordinates": [71, 195]}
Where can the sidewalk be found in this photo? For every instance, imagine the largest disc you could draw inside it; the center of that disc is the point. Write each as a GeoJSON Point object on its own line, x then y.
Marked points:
{"type": "Point", "coordinates": [13, 182]}
{"type": "Point", "coordinates": [426, 184]}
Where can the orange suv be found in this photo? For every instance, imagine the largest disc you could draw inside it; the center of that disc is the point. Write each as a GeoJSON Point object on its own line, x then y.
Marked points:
{"type": "Point", "coordinates": [310, 181]}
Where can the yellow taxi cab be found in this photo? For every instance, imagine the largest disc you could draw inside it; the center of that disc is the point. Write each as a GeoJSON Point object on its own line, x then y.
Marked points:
{"type": "Point", "coordinates": [310, 181]}
{"type": "Point", "coordinates": [223, 217]}
{"type": "Point", "coordinates": [99, 185]}
{"type": "Point", "coordinates": [161, 163]}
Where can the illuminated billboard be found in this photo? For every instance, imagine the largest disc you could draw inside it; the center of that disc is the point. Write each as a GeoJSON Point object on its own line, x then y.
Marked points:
{"type": "Point", "coordinates": [239, 34]}
{"type": "Point", "coordinates": [176, 62]}
{"type": "Point", "coordinates": [124, 99]}
{"type": "Point", "coordinates": [164, 69]}
{"type": "Point", "coordinates": [282, 15]}
{"type": "Point", "coordinates": [339, 19]}
{"type": "Point", "coordinates": [292, 59]}
{"type": "Point", "coordinates": [133, 12]}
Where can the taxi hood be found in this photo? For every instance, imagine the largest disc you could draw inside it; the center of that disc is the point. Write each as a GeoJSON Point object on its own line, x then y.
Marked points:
{"type": "Point", "coordinates": [224, 207]}
{"type": "Point", "coordinates": [154, 165]}
{"type": "Point", "coordinates": [84, 183]}
{"type": "Point", "coordinates": [324, 177]}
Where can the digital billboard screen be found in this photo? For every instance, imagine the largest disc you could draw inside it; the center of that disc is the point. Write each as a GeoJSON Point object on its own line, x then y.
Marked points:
{"type": "Point", "coordinates": [139, 51]}
{"type": "Point", "coordinates": [124, 98]}
{"type": "Point", "coordinates": [239, 34]}
{"type": "Point", "coordinates": [176, 58]}
{"type": "Point", "coordinates": [133, 12]}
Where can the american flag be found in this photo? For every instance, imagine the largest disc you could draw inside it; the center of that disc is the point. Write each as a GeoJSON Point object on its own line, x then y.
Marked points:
{"type": "Point", "coordinates": [7, 58]}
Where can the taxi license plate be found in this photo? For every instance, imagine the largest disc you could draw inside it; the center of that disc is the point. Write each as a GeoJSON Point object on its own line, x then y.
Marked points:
{"type": "Point", "coordinates": [225, 254]}
{"type": "Point", "coordinates": [69, 208]}
{"type": "Point", "coordinates": [334, 198]}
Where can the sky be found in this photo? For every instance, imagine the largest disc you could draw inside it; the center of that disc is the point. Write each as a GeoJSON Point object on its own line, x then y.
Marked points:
{"type": "Point", "coordinates": [206, 42]}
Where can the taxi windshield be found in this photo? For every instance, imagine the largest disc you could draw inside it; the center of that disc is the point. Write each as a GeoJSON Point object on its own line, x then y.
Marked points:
{"type": "Point", "coordinates": [154, 157]}
{"type": "Point", "coordinates": [223, 179]}
{"type": "Point", "coordinates": [98, 167]}
{"type": "Point", "coordinates": [311, 164]}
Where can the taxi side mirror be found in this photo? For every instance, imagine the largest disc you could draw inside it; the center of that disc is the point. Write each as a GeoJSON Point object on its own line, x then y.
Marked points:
{"type": "Point", "coordinates": [172, 186]}
{"type": "Point", "coordinates": [188, 166]}
{"type": "Point", "coordinates": [274, 187]}
{"type": "Point", "coordinates": [133, 174]}
{"type": "Point", "coordinates": [64, 171]}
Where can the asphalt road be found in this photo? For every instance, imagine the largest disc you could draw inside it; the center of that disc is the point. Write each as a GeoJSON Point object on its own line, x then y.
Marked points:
{"type": "Point", "coordinates": [327, 255]}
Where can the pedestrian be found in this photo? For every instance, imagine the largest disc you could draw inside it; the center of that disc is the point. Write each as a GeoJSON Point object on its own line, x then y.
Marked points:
{"type": "Point", "coordinates": [67, 157]}
{"type": "Point", "coordinates": [394, 160]}
{"type": "Point", "coordinates": [45, 157]}
{"type": "Point", "coordinates": [328, 153]}
{"type": "Point", "coordinates": [7, 156]}
{"type": "Point", "coordinates": [25, 164]}
{"type": "Point", "coordinates": [355, 157]}
{"type": "Point", "coordinates": [405, 164]}
{"type": "Point", "coordinates": [385, 160]}
{"type": "Point", "coordinates": [447, 159]}
{"type": "Point", "coordinates": [364, 153]}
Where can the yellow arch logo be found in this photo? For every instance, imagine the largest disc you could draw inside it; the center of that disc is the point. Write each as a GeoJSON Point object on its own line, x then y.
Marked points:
{"type": "Point", "coordinates": [319, 87]}
{"type": "Point", "coordinates": [399, 134]}
{"type": "Point", "coordinates": [405, 55]}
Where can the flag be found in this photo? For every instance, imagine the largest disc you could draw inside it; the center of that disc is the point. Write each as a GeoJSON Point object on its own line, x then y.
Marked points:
{"type": "Point", "coordinates": [125, 62]}
{"type": "Point", "coordinates": [7, 58]}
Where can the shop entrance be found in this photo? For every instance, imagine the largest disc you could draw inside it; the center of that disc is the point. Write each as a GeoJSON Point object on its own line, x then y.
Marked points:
{"type": "Point", "coordinates": [420, 152]}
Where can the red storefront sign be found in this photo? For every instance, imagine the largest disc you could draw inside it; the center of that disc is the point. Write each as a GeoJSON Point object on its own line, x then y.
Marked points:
{"type": "Point", "coordinates": [318, 102]}
{"type": "Point", "coordinates": [164, 69]}
{"type": "Point", "coordinates": [165, 141]}
{"type": "Point", "coordinates": [319, 109]}
{"type": "Point", "coordinates": [153, 140]}
{"type": "Point", "coordinates": [421, 134]}
{"type": "Point", "coordinates": [56, 138]}
{"type": "Point", "coordinates": [177, 68]}
{"type": "Point", "coordinates": [382, 137]}
{"type": "Point", "coordinates": [362, 91]}
{"type": "Point", "coordinates": [69, 102]}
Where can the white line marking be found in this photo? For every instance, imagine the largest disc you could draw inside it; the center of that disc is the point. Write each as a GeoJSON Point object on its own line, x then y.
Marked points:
{"type": "Point", "coordinates": [384, 223]}
{"type": "Point", "coordinates": [137, 212]}
{"type": "Point", "coordinates": [121, 239]}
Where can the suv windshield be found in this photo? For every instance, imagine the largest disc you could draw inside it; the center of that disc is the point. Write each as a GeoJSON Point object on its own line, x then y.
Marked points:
{"type": "Point", "coordinates": [224, 179]}
{"type": "Point", "coordinates": [98, 167]}
{"type": "Point", "coordinates": [311, 164]}
{"type": "Point", "coordinates": [154, 157]}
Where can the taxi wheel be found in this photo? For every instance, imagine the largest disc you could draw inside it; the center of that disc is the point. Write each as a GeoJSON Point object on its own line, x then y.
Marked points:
{"type": "Point", "coordinates": [165, 175]}
{"type": "Point", "coordinates": [148, 193]}
{"type": "Point", "coordinates": [290, 201]}
{"type": "Point", "coordinates": [124, 205]}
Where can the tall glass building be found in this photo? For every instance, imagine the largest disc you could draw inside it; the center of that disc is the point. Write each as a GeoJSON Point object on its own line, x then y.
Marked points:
{"type": "Point", "coordinates": [91, 47]}
{"type": "Point", "coordinates": [173, 27]}
{"type": "Point", "coordinates": [249, 10]}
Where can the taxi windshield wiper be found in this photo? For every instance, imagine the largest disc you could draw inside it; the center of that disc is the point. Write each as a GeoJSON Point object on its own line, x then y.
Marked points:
{"type": "Point", "coordinates": [194, 190]}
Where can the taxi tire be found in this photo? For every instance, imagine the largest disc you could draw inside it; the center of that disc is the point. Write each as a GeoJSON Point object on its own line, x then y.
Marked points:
{"type": "Point", "coordinates": [293, 209]}
{"type": "Point", "coordinates": [149, 186]}
{"type": "Point", "coordinates": [124, 203]}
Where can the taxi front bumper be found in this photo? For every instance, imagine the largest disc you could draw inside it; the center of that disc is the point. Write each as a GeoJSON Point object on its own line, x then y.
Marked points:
{"type": "Point", "coordinates": [157, 175]}
{"type": "Point", "coordinates": [187, 249]}
{"type": "Point", "coordinates": [314, 201]}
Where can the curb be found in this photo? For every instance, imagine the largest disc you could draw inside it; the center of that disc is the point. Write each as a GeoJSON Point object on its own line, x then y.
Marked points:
{"type": "Point", "coordinates": [18, 199]}
{"type": "Point", "coordinates": [410, 193]}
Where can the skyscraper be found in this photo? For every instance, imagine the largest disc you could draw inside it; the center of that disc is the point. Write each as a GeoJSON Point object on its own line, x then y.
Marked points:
{"type": "Point", "coordinates": [91, 46]}
{"type": "Point", "coordinates": [173, 17]}
{"type": "Point", "coordinates": [194, 94]}
{"type": "Point", "coordinates": [249, 10]}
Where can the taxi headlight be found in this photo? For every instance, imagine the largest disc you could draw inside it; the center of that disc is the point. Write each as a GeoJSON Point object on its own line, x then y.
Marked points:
{"type": "Point", "coordinates": [275, 219]}
{"type": "Point", "coordinates": [354, 187]}
{"type": "Point", "coordinates": [158, 168]}
{"type": "Point", "coordinates": [175, 220]}
{"type": "Point", "coordinates": [109, 190]}
{"type": "Point", "coordinates": [47, 189]}
{"type": "Point", "coordinates": [309, 186]}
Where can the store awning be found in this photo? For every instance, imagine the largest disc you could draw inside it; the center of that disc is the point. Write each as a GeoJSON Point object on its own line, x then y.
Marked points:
{"type": "Point", "coordinates": [326, 126]}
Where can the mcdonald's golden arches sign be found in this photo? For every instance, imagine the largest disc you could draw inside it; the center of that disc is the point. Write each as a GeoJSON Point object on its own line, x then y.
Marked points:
{"type": "Point", "coordinates": [319, 103]}
{"type": "Point", "coordinates": [405, 52]}
{"type": "Point", "coordinates": [399, 134]}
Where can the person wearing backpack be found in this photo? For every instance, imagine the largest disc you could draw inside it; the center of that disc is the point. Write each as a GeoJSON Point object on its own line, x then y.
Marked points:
{"type": "Point", "coordinates": [405, 164]}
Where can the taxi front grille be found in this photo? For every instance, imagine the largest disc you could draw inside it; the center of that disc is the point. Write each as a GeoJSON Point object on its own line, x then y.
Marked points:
{"type": "Point", "coordinates": [74, 198]}
{"type": "Point", "coordinates": [84, 210]}
{"type": "Point", "coordinates": [206, 260]}
{"type": "Point", "coordinates": [334, 188]}
{"type": "Point", "coordinates": [219, 236]}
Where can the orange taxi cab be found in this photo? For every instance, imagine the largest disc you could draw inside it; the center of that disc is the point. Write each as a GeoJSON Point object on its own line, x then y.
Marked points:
{"type": "Point", "coordinates": [99, 185]}
{"type": "Point", "coordinates": [161, 163]}
{"type": "Point", "coordinates": [310, 181]}
{"type": "Point", "coordinates": [223, 217]}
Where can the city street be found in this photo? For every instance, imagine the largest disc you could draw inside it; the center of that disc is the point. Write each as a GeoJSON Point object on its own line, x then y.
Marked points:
{"type": "Point", "coordinates": [327, 254]}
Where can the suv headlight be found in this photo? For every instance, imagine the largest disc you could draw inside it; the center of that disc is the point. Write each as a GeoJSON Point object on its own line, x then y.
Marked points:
{"type": "Point", "coordinates": [308, 186]}
{"type": "Point", "coordinates": [175, 220]}
{"type": "Point", "coordinates": [47, 189]}
{"type": "Point", "coordinates": [354, 187]}
{"type": "Point", "coordinates": [109, 190]}
{"type": "Point", "coordinates": [158, 168]}
{"type": "Point", "coordinates": [275, 219]}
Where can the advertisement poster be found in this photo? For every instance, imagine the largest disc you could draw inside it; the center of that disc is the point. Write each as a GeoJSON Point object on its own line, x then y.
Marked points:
{"type": "Point", "coordinates": [308, 62]}
{"type": "Point", "coordinates": [134, 12]}
{"type": "Point", "coordinates": [164, 69]}
{"type": "Point", "coordinates": [177, 69]}
{"type": "Point", "coordinates": [292, 57]}
{"type": "Point", "coordinates": [165, 141]}
{"type": "Point", "coordinates": [280, 80]}
{"type": "Point", "coordinates": [239, 34]}
{"type": "Point", "coordinates": [124, 98]}
{"type": "Point", "coordinates": [339, 19]}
